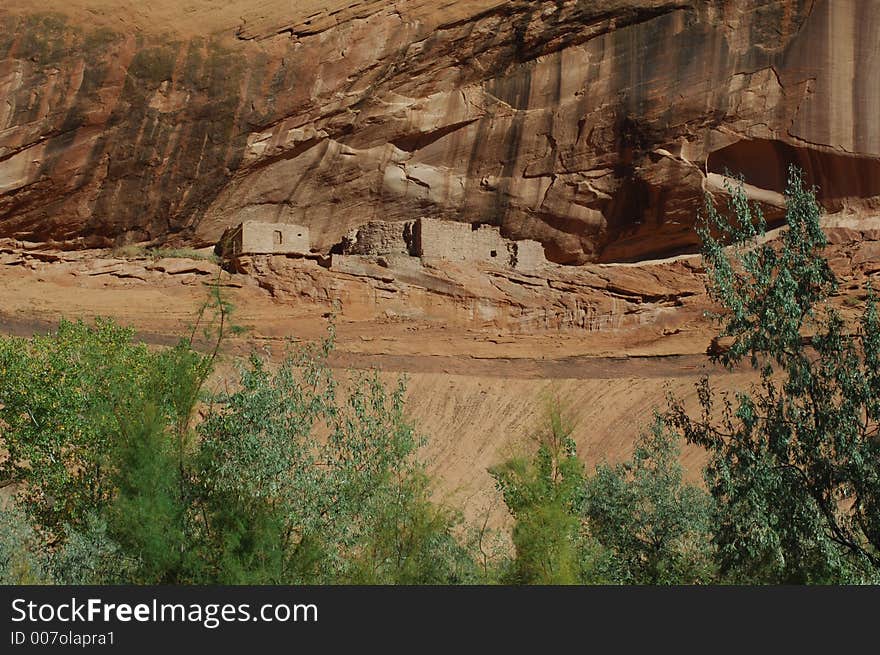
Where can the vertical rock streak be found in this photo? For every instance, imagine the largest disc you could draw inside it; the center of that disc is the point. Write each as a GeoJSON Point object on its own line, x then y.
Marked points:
{"type": "Point", "coordinates": [588, 126]}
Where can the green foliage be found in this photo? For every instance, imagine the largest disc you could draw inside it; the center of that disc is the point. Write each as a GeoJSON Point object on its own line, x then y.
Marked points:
{"type": "Point", "coordinates": [770, 293]}
{"type": "Point", "coordinates": [544, 496]}
{"type": "Point", "coordinates": [489, 550]}
{"type": "Point", "coordinates": [153, 515]}
{"type": "Point", "coordinates": [90, 556]}
{"type": "Point", "coordinates": [149, 514]}
{"type": "Point", "coordinates": [656, 529]}
{"type": "Point", "coordinates": [22, 560]}
{"type": "Point", "coordinates": [335, 485]}
{"type": "Point", "coordinates": [409, 539]}
{"type": "Point", "coordinates": [793, 462]}
{"type": "Point", "coordinates": [61, 398]}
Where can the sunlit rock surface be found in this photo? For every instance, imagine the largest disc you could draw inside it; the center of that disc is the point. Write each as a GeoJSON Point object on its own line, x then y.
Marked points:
{"type": "Point", "coordinates": [593, 127]}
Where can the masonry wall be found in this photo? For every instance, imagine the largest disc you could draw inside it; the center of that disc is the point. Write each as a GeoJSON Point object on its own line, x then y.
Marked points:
{"type": "Point", "coordinates": [273, 238]}
{"type": "Point", "coordinates": [380, 238]}
{"type": "Point", "coordinates": [460, 242]}
{"type": "Point", "coordinates": [426, 237]}
{"type": "Point", "coordinates": [527, 255]}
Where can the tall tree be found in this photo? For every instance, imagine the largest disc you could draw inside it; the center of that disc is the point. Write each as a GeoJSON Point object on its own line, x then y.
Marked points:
{"type": "Point", "coordinates": [793, 462]}
{"type": "Point", "coordinates": [544, 495]}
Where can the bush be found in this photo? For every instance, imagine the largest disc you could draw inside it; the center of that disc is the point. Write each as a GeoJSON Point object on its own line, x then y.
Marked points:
{"type": "Point", "coordinates": [22, 558]}
{"type": "Point", "coordinates": [338, 493]}
{"type": "Point", "coordinates": [656, 529]}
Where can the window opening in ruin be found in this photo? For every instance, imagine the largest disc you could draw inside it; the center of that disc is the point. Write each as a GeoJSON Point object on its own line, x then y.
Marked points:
{"type": "Point", "coordinates": [494, 253]}
{"type": "Point", "coordinates": [276, 237]}
{"type": "Point", "coordinates": [475, 226]}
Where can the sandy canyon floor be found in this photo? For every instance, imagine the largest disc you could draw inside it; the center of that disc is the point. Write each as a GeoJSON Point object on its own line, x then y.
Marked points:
{"type": "Point", "coordinates": [483, 349]}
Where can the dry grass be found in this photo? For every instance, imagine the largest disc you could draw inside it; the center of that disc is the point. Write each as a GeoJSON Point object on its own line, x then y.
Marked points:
{"type": "Point", "coordinates": [142, 252]}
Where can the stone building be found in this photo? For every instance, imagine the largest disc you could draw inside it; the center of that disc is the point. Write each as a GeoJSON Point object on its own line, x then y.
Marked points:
{"type": "Point", "coordinates": [381, 238]}
{"type": "Point", "coordinates": [462, 242]}
{"type": "Point", "coordinates": [433, 238]}
{"type": "Point", "coordinates": [526, 255]}
{"type": "Point", "coordinates": [256, 238]}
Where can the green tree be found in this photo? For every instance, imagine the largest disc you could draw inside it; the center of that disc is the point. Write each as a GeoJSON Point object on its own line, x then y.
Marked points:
{"type": "Point", "coordinates": [149, 514]}
{"type": "Point", "coordinates": [60, 402]}
{"type": "Point", "coordinates": [544, 495]}
{"type": "Point", "coordinates": [154, 515]}
{"type": "Point", "coordinates": [331, 488]}
{"type": "Point", "coordinates": [656, 528]}
{"type": "Point", "coordinates": [98, 433]}
{"type": "Point", "coordinates": [793, 462]}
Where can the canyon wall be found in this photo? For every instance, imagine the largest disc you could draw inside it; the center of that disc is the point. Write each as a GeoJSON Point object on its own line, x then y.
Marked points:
{"type": "Point", "coordinates": [592, 127]}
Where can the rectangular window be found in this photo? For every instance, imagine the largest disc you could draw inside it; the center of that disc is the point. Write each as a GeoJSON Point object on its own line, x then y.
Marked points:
{"type": "Point", "coordinates": [276, 237]}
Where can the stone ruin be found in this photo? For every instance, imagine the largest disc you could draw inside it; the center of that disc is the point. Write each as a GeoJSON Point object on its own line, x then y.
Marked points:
{"type": "Point", "coordinates": [382, 238]}
{"type": "Point", "coordinates": [433, 238]}
{"type": "Point", "coordinates": [423, 237]}
{"type": "Point", "coordinates": [256, 238]}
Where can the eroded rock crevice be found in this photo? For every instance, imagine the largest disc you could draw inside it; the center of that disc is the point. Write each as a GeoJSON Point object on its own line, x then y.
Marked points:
{"type": "Point", "coordinates": [841, 179]}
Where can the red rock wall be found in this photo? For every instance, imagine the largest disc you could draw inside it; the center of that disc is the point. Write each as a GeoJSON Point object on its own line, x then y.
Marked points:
{"type": "Point", "coordinates": [589, 126]}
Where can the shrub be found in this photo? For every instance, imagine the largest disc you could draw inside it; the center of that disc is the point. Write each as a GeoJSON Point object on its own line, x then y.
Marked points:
{"type": "Point", "coordinates": [656, 528]}
{"type": "Point", "coordinates": [337, 492]}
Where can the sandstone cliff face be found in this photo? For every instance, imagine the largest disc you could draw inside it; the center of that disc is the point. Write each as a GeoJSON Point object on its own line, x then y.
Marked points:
{"type": "Point", "coordinates": [592, 127]}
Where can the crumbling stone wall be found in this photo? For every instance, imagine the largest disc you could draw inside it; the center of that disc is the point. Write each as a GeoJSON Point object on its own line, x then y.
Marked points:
{"type": "Point", "coordinates": [475, 243]}
{"type": "Point", "coordinates": [461, 242]}
{"type": "Point", "coordinates": [380, 238]}
{"type": "Point", "coordinates": [427, 237]}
